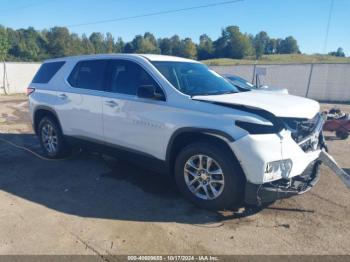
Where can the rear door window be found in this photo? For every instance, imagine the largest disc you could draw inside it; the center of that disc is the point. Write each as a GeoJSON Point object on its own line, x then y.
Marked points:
{"type": "Point", "coordinates": [89, 74]}
{"type": "Point", "coordinates": [46, 72]}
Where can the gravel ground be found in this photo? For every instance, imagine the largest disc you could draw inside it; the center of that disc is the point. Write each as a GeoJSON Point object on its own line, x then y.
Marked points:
{"type": "Point", "coordinates": [92, 204]}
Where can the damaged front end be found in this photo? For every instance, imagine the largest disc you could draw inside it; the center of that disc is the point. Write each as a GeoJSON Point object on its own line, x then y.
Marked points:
{"type": "Point", "coordinates": [307, 134]}
{"type": "Point", "coordinates": [284, 188]}
{"type": "Point", "coordinates": [280, 159]}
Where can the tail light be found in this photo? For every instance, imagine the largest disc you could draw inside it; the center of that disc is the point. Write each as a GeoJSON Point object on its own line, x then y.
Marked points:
{"type": "Point", "coordinates": [30, 90]}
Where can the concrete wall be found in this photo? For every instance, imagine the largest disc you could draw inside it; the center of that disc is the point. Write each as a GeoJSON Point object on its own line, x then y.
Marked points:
{"type": "Point", "coordinates": [19, 76]}
{"type": "Point", "coordinates": [323, 82]}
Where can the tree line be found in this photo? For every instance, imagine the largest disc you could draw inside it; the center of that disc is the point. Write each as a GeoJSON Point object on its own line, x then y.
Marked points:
{"type": "Point", "coordinates": [338, 53]}
{"type": "Point", "coordinates": [34, 45]}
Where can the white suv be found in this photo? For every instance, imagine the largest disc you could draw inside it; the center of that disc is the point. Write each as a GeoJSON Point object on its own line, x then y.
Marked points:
{"type": "Point", "coordinates": [181, 118]}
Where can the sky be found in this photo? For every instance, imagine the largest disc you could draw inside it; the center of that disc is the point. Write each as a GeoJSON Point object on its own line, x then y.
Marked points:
{"type": "Point", "coordinates": [306, 20]}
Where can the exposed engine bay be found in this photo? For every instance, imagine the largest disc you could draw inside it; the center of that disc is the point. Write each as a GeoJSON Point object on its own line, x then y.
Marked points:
{"type": "Point", "coordinates": [307, 133]}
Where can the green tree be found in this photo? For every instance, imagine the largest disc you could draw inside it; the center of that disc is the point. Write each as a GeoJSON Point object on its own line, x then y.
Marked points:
{"type": "Point", "coordinates": [109, 43]}
{"type": "Point", "coordinates": [150, 44]}
{"type": "Point", "coordinates": [188, 49]}
{"type": "Point", "coordinates": [76, 45]}
{"type": "Point", "coordinates": [128, 48]}
{"type": "Point", "coordinates": [27, 44]}
{"type": "Point", "coordinates": [4, 44]}
{"type": "Point", "coordinates": [97, 40]}
{"type": "Point", "coordinates": [338, 53]}
{"type": "Point", "coordinates": [30, 49]}
{"type": "Point", "coordinates": [271, 46]}
{"type": "Point", "coordinates": [165, 46]}
{"type": "Point", "coordinates": [175, 45]}
{"type": "Point", "coordinates": [220, 45]}
{"type": "Point", "coordinates": [205, 47]}
{"type": "Point", "coordinates": [137, 44]}
{"type": "Point", "coordinates": [33, 45]}
{"type": "Point", "coordinates": [146, 44]}
{"type": "Point", "coordinates": [260, 42]}
{"type": "Point", "coordinates": [288, 46]}
{"type": "Point", "coordinates": [279, 46]}
{"type": "Point", "coordinates": [119, 45]}
{"type": "Point", "coordinates": [233, 44]}
{"type": "Point", "coordinates": [59, 41]}
{"type": "Point", "coordinates": [87, 46]}
{"type": "Point", "coordinates": [13, 40]}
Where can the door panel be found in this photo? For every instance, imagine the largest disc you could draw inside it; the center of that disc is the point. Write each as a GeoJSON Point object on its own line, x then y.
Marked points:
{"type": "Point", "coordinates": [81, 115]}
{"type": "Point", "coordinates": [136, 125]}
{"type": "Point", "coordinates": [80, 106]}
{"type": "Point", "coordinates": [127, 120]}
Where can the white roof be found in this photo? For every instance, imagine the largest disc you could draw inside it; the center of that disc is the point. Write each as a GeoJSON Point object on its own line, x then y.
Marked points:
{"type": "Point", "coordinates": [150, 57]}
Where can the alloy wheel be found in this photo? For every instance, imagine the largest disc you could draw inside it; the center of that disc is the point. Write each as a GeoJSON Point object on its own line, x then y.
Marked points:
{"type": "Point", "coordinates": [204, 177]}
{"type": "Point", "coordinates": [49, 138]}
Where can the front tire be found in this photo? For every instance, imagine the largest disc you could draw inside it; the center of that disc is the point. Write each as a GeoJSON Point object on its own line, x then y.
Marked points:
{"type": "Point", "coordinates": [51, 138]}
{"type": "Point", "coordinates": [209, 176]}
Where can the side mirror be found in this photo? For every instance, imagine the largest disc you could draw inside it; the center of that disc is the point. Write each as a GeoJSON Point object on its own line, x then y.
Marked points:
{"type": "Point", "coordinates": [150, 92]}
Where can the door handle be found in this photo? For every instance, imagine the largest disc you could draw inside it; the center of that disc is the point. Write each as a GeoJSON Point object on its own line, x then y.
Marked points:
{"type": "Point", "coordinates": [111, 103]}
{"type": "Point", "coordinates": [63, 96]}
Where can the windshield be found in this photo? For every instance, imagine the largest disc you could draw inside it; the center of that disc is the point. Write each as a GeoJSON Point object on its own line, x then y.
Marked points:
{"type": "Point", "coordinates": [194, 78]}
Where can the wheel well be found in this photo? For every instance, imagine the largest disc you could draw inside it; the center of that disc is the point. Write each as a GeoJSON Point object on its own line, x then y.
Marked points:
{"type": "Point", "coordinates": [39, 114]}
{"type": "Point", "coordinates": [184, 139]}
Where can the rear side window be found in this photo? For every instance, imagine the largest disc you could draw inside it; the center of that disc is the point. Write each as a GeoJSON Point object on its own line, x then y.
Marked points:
{"type": "Point", "coordinates": [46, 72]}
{"type": "Point", "coordinates": [89, 75]}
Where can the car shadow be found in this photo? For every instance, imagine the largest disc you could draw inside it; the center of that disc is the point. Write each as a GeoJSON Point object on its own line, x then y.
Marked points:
{"type": "Point", "coordinates": [90, 184]}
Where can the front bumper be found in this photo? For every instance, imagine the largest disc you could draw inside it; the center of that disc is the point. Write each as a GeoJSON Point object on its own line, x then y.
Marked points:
{"type": "Point", "coordinates": [254, 152]}
{"type": "Point", "coordinates": [283, 188]}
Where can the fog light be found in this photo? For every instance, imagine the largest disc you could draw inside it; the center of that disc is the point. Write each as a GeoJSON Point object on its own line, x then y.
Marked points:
{"type": "Point", "coordinates": [278, 169]}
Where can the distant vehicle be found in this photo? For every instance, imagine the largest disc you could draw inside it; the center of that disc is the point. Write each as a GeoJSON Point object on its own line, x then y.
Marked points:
{"type": "Point", "coordinates": [244, 85]}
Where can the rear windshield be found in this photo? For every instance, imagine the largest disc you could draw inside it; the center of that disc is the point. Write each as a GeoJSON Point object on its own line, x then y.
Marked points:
{"type": "Point", "coordinates": [46, 72]}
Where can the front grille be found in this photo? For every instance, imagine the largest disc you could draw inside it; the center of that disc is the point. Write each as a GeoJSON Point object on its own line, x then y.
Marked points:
{"type": "Point", "coordinates": [306, 133]}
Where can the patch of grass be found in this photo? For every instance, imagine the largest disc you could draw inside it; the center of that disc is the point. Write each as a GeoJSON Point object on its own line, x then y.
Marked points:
{"type": "Point", "coordinates": [278, 59]}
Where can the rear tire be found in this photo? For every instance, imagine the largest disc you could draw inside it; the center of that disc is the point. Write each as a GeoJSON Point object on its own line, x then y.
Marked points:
{"type": "Point", "coordinates": [51, 138]}
{"type": "Point", "coordinates": [222, 191]}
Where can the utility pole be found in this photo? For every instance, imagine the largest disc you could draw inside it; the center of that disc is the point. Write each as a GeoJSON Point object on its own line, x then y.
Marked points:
{"type": "Point", "coordinates": [5, 84]}
{"type": "Point", "coordinates": [328, 26]}
{"type": "Point", "coordinates": [4, 47]}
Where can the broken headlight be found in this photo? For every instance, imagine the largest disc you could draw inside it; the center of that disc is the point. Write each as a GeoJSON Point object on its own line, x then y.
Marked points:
{"type": "Point", "coordinates": [278, 169]}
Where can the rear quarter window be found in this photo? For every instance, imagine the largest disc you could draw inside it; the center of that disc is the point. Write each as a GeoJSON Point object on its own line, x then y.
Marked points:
{"type": "Point", "coordinates": [46, 72]}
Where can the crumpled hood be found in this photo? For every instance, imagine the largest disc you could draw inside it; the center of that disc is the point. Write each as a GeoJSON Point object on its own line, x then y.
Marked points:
{"type": "Point", "coordinates": [281, 105]}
